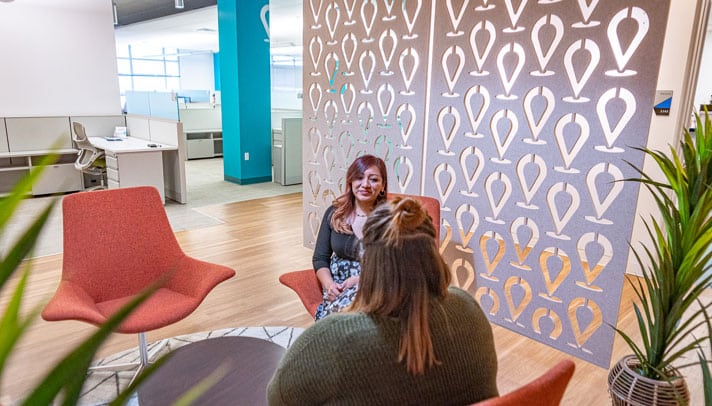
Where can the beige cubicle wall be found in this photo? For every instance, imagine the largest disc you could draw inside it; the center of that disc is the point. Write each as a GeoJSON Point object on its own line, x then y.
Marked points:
{"type": "Point", "coordinates": [25, 141]}
{"type": "Point", "coordinates": [202, 128]}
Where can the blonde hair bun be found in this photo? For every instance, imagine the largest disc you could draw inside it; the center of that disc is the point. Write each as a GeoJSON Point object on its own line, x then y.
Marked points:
{"type": "Point", "coordinates": [407, 216]}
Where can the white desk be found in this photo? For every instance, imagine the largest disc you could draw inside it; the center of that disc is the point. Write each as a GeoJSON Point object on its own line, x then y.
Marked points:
{"type": "Point", "coordinates": [134, 162]}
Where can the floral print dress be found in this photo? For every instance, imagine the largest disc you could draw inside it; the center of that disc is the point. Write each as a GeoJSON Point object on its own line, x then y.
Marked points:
{"type": "Point", "coordinates": [341, 269]}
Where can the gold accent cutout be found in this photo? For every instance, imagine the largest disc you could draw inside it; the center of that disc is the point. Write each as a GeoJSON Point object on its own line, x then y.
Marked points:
{"type": "Point", "coordinates": [491, 265]}
{"type": "Point", "coordinates": [516, 309]}
{"type": "Point", "coordinates": [551, 315]}
{"type": "Point", "coordinates": [523, 250]}
{"type": "Point", "coordinates": [596, 321]}
{"type": "Point", "coordinates": [461, 263]}
{"type": "Point", "coordinates": [563, 272]}
{"type": "Point", "coordinates": [466, 232]}
{"type": "Point", "coordinates": [591, 273]}
{"type": "Point", "coordinates": [492, 294]}
{"type": "Point", "coordinates": [446, 236]}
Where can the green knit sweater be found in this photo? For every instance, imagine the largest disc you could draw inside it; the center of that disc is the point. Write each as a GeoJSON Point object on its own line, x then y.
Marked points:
{"type": "Point", "coordinates": [352, 359]}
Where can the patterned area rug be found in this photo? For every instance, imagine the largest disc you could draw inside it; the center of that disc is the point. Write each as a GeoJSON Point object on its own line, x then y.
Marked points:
{"type": "Point", "coordinates": [103, 386]}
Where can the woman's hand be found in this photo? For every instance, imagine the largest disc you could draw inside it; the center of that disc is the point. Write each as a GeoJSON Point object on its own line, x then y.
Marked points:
{"type": "Point", "coordinates": [350, 282]}
{"type": "Point", "coordinates": [334, 290]}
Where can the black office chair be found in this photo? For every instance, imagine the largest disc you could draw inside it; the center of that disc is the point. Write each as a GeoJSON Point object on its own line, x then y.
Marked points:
{"type": "Point", "coordinates": [90, 160]}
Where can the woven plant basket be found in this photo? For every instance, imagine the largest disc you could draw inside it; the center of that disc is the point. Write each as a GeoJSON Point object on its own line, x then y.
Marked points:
{"type": "Point", "coordinates": [627, 387]}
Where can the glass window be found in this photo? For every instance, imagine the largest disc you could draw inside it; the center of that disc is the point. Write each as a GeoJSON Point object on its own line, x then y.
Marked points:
{"type": "Point", "coordinates": [148, 68]}
{"type": "Point", "coordinates": [124, 66]}
{"type": "Point", "coordinates": [172, 68]}
{"type": "Point", "coordinates": [149, 83]}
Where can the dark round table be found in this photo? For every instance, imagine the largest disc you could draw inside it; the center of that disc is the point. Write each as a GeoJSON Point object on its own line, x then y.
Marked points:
{"type": "Point", "coordinates": [249, 364]}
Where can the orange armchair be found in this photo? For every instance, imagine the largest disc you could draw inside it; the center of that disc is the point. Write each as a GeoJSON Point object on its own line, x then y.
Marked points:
{"type": "Point", "coordinates": [116, 243]}
{"type": "Point", "coordinates": [546, 390]}
{"type": "Point", "coordinates": [305, 282]}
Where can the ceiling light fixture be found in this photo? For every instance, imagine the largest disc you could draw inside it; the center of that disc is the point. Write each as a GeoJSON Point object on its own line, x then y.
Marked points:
{"type": "Point", "coordinates": [116, 14]}
{"type": "Point", "coordinates": [179, 4]}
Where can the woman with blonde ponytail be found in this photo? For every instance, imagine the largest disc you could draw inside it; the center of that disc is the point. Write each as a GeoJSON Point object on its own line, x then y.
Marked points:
{"type": "Point", "coordinates": [406, 339]}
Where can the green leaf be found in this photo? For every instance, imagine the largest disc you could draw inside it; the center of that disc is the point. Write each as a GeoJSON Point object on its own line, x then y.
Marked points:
{"type": "Point", "coordinates": [70, 373]}
{"type": "Point", "coordinates": [24, 245]}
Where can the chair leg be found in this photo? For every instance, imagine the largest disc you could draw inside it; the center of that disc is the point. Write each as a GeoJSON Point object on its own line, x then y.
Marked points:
{"type": "Point", "coordinates": [146, 357]}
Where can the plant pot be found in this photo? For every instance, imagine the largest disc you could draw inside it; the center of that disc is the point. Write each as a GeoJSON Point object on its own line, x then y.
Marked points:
{"type": "Point", "coordinates": [627, 387]}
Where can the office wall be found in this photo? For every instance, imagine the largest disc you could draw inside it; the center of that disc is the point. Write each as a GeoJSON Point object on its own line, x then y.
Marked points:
{"type": "Point", "coordinates": [58, 58]}
{"type": "Point", "coordinates": [703, 95]}
{"type": "Point", "coordinates": [196, 72]}
{"type": "Point", "coordinates": [518, 117]}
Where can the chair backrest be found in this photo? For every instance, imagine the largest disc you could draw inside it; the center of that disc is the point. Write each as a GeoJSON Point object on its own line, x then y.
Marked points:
{"type": "Point", "coordinates": [546, 390]}
{"type": "Point", "coordinates": [430, 204]}
{"type": "Point", "coordinates": [117, 241]}
{"type": "Point", "coordinates": [88, 153]}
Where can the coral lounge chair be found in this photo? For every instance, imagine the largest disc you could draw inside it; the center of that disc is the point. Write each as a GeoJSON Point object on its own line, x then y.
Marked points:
{"type": "Point", "coordinates": [546, 390]}
{"type": "Point", "coordinates": [116, 243]}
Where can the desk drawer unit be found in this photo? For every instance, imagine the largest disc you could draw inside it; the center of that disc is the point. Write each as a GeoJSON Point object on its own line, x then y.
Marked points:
{"type": "Point", "coordinates": [111, 162]}
{"type": "Point", "coordinates": [127, 169]}
{"type": "Point", "coordinates": [112, 174]}
{"type": "Point", "coordinates": [58, 178]}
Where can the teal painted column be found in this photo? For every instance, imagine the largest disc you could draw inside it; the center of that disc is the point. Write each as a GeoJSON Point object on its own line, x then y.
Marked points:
{"type": "Point", "coordinates": [245, 91]}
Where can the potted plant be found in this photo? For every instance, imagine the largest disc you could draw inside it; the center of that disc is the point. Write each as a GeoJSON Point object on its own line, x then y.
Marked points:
{"type": "Point", "coordinates": [676, 270]}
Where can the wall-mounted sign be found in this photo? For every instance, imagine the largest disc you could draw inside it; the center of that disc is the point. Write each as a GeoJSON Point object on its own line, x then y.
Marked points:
{"type": "Point", "coordinates": [663, 100]}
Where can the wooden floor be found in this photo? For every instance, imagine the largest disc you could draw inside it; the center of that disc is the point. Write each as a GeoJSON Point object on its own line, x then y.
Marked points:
{"type": "Point", "coordinates": [261, 239]}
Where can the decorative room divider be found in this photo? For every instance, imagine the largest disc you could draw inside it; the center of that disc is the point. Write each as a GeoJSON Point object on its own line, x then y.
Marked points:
{"type": "Point", "coordinates": [519, 117]}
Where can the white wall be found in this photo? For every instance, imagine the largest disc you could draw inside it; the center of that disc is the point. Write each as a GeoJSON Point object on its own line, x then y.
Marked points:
{"type": "Point", "coordinates": [286, 87]}
{"type": "Point", "coordinates": [58, 58]}
{"type": "Point", "coordinates": [664, 131]}
{"type": "Point", "coordinates": [703, 94]}
{"type": "Point", "coordinates": [196, 72]}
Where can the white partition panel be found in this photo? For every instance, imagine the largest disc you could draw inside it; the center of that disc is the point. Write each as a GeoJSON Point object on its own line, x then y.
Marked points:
{"type": "Point", "coordinates": [137, 126]}
{"type": "Point", "coordinates": [3, 136]}
{"type": "Point", "coordinates": [37, 133]}
{"type": "Point", "coordinates": [100, 126]}
{"type": "Point", "coordinates": [171, 133]}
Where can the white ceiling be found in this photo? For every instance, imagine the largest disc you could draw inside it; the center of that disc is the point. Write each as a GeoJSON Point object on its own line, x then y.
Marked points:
{"type": "Point", "coordinates": [197, 30]}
